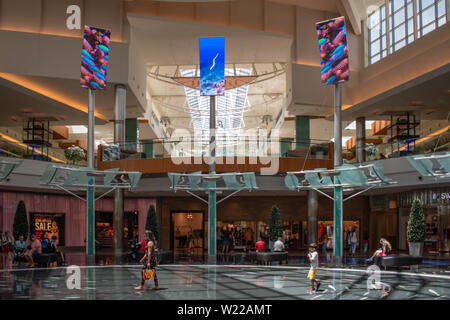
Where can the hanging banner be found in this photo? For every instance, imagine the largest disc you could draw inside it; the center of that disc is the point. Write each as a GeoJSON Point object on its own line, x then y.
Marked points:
{"type": "Point", "coordinates": [94, 58]}
{"type": "Point", "coordinates": [333, 50]}
{"type": "Point", "coordinates": [212, 66]}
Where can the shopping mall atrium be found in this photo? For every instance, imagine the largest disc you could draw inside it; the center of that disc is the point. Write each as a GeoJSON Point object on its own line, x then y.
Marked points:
{"type": "Point", "coordinates": [329, 124]}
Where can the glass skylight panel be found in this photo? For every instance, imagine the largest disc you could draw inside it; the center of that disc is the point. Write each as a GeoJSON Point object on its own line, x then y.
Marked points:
{"type": "Point", "coordinates": [78, 129]}
{"type": "Point", "coordinates": [230, 109]}
{"type": "Point", "coordinates": [352, 125]}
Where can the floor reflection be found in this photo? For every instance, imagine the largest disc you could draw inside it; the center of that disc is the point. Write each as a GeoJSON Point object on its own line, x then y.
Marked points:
{"type": "Point", "coordinates": [198, 282]}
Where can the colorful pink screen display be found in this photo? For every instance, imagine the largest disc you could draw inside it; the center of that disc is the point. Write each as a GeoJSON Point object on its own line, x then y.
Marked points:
{"type": "Point", "coordinates": [94, 58]}
{"type": "Point", "coordinates": [333, 50]}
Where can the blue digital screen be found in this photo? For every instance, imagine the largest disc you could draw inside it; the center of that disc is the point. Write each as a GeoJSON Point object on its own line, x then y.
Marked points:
{"type": "Point", "coordinates": [212, 66]}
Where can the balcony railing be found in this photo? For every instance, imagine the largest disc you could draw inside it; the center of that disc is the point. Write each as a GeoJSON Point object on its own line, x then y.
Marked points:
{"type": "Point", "coordinates": [433, 144]}
{"type": "Point", "coordinates": [172, 148]}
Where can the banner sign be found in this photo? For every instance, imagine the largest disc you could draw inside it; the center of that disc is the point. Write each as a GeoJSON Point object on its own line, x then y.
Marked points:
{"type": "Point", "coordinates": [94, 58]}
{"type": "Point", "coordinates": [45, 225]}
{"type": "Point", "coordinates": [212, 66]}
{"type": "Point", "coordinates": [333, 50]}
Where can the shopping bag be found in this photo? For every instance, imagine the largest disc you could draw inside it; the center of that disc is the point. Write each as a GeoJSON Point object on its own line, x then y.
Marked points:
{"type": "Point", "coordinates": [148, 274]}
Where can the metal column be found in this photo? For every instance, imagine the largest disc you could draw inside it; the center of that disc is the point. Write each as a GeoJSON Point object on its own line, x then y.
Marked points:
{"type": "Point", "coordinates": [119, 138]}
{"type": "Point", "coordinates": [338, 192]}
{"type": "Point", "coordinates": [360, 139]}
{"type": "Point", "coordinates": [312, 216]}
{"type": "Point", "coordinates": [212, 193]}
{"type": "Point", "coordinates": [90, 204]}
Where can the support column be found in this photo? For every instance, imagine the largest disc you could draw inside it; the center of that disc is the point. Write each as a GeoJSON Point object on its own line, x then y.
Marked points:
{"type": "Point", "coordinates": [90, 196]}
{"type": "Point", "coordinates": [212, 258]}
{"type": "Point", "coordinates": [338, 192]}
{"type": "Point", "coordinates": [131, 134]}
{"type": "Point", "coordinates": [313, 207]}
{"type": "Point", "coordinates": [302, 133]}
{"type": "Point", "coordinates": [360, 139]}
{"type": "Point", "coordinates": [119, 137]}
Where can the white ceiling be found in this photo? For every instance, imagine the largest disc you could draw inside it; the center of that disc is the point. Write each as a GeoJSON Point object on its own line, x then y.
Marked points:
{"type": "Point", "coordinates": [179, 47]}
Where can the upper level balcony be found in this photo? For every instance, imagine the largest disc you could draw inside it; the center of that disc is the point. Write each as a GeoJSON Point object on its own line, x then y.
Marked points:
{"type": "Point", "coordinates": [265, 156]}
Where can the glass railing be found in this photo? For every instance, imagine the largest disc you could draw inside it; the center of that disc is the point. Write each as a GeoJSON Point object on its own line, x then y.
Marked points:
{"type": "Point", "coordinates": [435, 144]}
{"type": "Point", "coordinates": [166, 148]}
{"type": "Point", "coordinates": [50, 154]}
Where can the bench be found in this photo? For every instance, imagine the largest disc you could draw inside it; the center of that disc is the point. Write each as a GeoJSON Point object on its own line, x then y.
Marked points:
{"type": "Point", "coordinates": [269, 257]}
{"type": "Point", "coordinates": [44, 259]}
{"type": "Point", "coordinates": [397, 260]}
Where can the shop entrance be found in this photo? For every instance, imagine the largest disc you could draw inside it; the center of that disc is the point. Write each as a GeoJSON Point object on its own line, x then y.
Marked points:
{"type": "Point", "coordinates": [187, 233]}
{"type": "Point", "coordinates": [104, 229]}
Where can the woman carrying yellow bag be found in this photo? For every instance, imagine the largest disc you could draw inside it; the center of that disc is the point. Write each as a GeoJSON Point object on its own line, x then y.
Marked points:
{"type": "Point", "coordinates": [149, 262]}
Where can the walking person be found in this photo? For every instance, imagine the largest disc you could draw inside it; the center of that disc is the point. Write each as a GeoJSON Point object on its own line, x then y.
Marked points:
{"type": "Point", "coordinates": [313, 257]}
{"type": "Point", "coordinates": [149, 261]}
{"type": "Point", "coordinates": [365, 243]}
{"type": "Point", "coordinates": [226, 240]}
{"type": "Point", "coordinates": [8, 249]}
{"type": "Point", "coordinates": [353, 240]}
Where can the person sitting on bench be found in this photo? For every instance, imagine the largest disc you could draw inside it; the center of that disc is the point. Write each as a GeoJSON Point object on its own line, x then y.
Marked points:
{"type": "Point", "coordinates": [384, 250]}
{"type": "Point", "coordinates": [260, 245]}
{"type": "Point", "coordinates": [34, 250]}
{"type": "Point", "coordinates": [278, 245]}
{"type": "Point", "coordinates": [53, 248]}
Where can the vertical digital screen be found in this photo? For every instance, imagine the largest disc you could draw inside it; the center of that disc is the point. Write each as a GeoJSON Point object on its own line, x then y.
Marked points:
{"type": "Point", "coordinates": [333, 50]}
{"type": "Point", "coordinates": [94, 58]}
{"type": "Point", "coordinates": [212, 66]}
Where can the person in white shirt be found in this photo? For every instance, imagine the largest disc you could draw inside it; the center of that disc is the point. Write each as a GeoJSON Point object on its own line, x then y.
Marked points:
{"type": "Point", "coordinates": [353, 240]}
{"type": "Point", "coordinates": [314, 260]}
{"type": "Point", "coordinates": [278, 245]}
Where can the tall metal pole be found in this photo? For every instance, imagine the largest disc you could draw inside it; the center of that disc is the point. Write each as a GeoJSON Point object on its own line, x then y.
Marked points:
{"type": "Point", "coordinates": [90, 204]}
{"type": "Point", "coordinates": [338, 192]}
{"type": "Point", "coordinates": [212, 193]}
{"type": "Point", "coordinates": [361, 139]}
{"type": "Point", "coordinates": [313, 207]}
{"type": "Point", "coordinates": [119, 137]}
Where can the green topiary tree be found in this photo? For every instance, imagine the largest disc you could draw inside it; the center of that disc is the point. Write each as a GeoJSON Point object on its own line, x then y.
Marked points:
{"type": "Point", "coordinates": [152, 221]}
{"type": "Point", "coordinates": [275, 226]}
{"type": "Point", "coordinates": [74, 154]}
{"type": "Point", "coordinates": [20, 226]}
{"type": "Point", "coordinates": [416, 223]}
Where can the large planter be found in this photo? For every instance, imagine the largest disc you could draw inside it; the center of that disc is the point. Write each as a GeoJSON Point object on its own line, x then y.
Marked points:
{"type": "Point", "coordinates": [416, 249]}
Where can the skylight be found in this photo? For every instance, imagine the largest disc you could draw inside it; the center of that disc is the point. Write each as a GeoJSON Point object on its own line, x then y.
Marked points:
{"type": "Point", "coordinates": [230, 109]}
{"type": "Point", "coordinates": [77, 129]}
{"type": "Point", "coordinates": [352, 126]}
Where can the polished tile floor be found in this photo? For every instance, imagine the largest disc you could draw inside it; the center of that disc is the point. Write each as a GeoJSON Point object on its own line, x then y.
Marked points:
{"type": "Point", "coordinates": [198, 282]}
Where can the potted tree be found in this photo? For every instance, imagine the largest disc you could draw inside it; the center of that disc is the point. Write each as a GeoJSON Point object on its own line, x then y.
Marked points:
{"type": "Point", "coordinates": [416, 229]}
{"type": "Point", "coordinates": [74, 154]}
{"type": "Point", "coordinates": [371, 151]}
{"type": "Point", "coordinates": [319, 151]}
{"type": "Point", "coordinates": [152, 222]}
{"type": "Point", "coordinates": [275, 226]}
{"type": "Point", "coordinates": [20, 226]}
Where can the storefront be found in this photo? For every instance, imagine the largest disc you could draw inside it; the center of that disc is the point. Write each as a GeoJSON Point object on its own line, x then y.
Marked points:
{"type": "Point", "coordinates": [187, 232]}
{"type": "Point", "coordinates": [436, 207]}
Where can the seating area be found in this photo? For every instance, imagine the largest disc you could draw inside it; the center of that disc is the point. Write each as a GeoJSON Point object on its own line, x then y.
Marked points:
{"type": "Point", "coordinates": [267, 258]}
{"type": "Point", "coordinates": [397, 260]}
